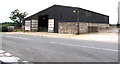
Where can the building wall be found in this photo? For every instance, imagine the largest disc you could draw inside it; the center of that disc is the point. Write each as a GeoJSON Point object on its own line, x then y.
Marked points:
{"type": "Point", "coordinates": [67, 27]}
{"type": "Point", "coordinates": [72, 27]}
{"type": "Point", "coordinates": [83, 27]}
{"type": "Point", "coordinates": [69, 14]}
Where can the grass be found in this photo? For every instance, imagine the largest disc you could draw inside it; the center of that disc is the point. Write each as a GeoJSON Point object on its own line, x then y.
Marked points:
{"type": "Point", "coordinates": [17, 30]}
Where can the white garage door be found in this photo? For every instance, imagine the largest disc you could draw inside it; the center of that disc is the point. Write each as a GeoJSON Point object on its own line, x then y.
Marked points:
{"type": "Point", "coordinates": [27, 25]}
{"type": "Point", "coordinates": [51, 25]}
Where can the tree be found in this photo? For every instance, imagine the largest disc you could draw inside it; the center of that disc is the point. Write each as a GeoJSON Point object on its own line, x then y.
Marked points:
{"type": "Point", "coordinates": [17, 17]}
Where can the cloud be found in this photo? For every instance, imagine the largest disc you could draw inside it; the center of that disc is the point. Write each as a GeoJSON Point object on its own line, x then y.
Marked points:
{"type": "Point", "coordinates": [107, 7]}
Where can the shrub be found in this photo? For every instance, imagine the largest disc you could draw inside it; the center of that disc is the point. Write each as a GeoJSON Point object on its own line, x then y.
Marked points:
{"type": "Point", "coordinates": [17, 30]}
{"type": "Point", "coordinates": [4, 29]}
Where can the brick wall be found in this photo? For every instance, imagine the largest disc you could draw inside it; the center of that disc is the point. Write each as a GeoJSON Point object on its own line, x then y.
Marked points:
{"type": "Point", "coordinates": [71, 27]}
{"type": "Point", "coordinates": [83, 27]}
{"type": "Point", "coordinates": [67, 27]}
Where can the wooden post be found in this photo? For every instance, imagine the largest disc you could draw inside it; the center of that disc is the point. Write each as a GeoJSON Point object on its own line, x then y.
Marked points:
{"type": "Point", "coordinates": [78, 21]}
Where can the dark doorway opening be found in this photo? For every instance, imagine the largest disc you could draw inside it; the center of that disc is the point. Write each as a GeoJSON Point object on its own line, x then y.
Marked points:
{"type": "Point", "coordinates": [92, 29]}
{"type": "Point", "coordinates": [43, 23]}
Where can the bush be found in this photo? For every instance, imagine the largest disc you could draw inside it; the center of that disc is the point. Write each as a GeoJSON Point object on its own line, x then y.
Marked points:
{"type": "Point", "coordinates": [10, 29]}
{"type": "Point", "coordinates": [17, 30]}
{"type": "Point", "coordinates": [7, 27]}
{"type": "Point", "coordinates": [4, 29]}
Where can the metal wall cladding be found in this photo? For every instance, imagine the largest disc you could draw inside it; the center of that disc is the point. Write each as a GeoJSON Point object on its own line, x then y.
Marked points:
{"type": "Point", "coordinates": [66, 13]}
{"type": "Point", "coordinates": [92, 17]}
{"type": "Point", "coordinates": [70, 14]}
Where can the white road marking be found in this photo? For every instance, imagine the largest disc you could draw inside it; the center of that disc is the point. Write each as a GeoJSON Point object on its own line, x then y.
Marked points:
{"type": "Point", "coordinates": [8, 57]}
{"type": "Point", "coordinates": [19, 37]}
{"type": "Point", "coordinates": [1, 55]}
{"type": "Point", "coordinates": [8, 54]}
{"type": "Point", "coordinates": [25, 61]}
{"type": "Point", "coordinates": [17, 58]}
{"type": "Point", "coordinates": [2, 51]}
{"type": "Point", "coordinates": [100, 48]}
{"type": "Point", "coordinates": [24, 38]}
{"type": "Point", "coordinates": [85, 46]}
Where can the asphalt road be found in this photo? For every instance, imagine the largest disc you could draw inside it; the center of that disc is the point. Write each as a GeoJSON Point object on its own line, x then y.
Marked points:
{"type": "Point", "coordinates": [46, 49]}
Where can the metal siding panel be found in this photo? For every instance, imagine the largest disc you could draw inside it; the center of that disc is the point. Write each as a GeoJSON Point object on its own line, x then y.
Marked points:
{"type": "Point", "coordinates": [96, 17]}
{"type": "Point", "coordinates": [93, 17]}
{"type": "Point", "coordinates": [66, 14]}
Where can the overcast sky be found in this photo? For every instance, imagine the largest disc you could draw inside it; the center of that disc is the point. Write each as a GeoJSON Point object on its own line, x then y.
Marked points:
{"type": "Point", "coordinates": [107, 7]}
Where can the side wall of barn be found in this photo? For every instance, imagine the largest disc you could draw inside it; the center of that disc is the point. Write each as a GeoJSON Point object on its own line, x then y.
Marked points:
{"type": "Point", "coordinates": [72, 27]}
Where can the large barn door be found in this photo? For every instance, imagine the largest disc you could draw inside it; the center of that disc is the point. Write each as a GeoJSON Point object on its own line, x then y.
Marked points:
{"type": "Point", "coordinates": [43, 23]}
{"type": "Point", "coordinates": [51, 25]}
{"type": "Point", "coordinates": [28, 25]}
{"type": "Point", "coordinates": [34, 25]}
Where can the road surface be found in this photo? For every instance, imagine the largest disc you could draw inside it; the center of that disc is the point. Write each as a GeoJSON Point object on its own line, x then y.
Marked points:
{"type": "Point", "coordinates": [46, 49]}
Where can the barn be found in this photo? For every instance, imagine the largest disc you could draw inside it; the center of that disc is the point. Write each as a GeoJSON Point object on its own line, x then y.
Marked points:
{"type": "Point", "coordinates": [65, 19]}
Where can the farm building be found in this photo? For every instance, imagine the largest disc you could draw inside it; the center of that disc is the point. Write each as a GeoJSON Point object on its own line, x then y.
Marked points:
{"type": "Point", "coordinates": [65, 19]}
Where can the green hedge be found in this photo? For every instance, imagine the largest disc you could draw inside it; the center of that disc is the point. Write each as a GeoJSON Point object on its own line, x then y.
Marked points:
{"type": "Point", "coordinates": [4, 29]}
{"type": "Point", "coordinates": [17, 30]}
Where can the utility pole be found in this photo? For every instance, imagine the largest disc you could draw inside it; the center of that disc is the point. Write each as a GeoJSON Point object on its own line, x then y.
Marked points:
{"type": "Point", "coordinates": [118, 24]}
{"type": "Point", "coordinates": [78, 19]}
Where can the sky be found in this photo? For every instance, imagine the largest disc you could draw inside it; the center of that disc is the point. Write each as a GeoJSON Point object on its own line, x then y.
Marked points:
{"type": "Point", "coordinates": [106, 7]}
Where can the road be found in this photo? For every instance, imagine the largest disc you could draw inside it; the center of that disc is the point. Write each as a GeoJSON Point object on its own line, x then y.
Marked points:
{"type": "Point", "coordinates": [46, 49]}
